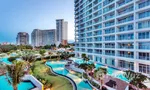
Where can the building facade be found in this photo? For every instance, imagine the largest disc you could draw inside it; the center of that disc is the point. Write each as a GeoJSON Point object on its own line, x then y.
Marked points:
{"type": "Point", "coordinates": [61, 31]}
{"type": "Point", "coordinates": [22, 38]}
{"type": "Point", "coordinates": [114, 32]}
{"type": "Point", "coordinates": [43, 37]}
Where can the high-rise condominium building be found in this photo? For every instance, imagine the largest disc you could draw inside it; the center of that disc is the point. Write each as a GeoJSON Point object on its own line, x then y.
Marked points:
{"type": "Point", "coordinates": [22, 38]}
{"type": "Point", "coordinates": [61, 31]}
{"type": "Point", "coordinates": [114, 32]}
{"type": "Point", "coordinates": [43, 37]}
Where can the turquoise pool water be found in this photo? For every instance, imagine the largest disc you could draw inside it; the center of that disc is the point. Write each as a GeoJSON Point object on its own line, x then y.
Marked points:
{"type": "Point", "coordinates": [4, 85]}
{"type": "Point", "coordinates": [5, 60]}
{"type": "Point", "coordinates": [58, 67]}
{"type": "Point", "coordinates": [111, 71]}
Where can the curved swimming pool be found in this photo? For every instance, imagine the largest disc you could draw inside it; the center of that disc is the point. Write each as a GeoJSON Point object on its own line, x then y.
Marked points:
{"type": "Point", "coordinates": [59, 67]}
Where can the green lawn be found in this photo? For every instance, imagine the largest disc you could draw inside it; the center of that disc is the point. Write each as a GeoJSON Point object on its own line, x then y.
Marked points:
{"type": "Point", "coordinates": [58, 83]}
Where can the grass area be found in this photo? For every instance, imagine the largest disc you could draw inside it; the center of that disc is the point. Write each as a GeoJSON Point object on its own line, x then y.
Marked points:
{"type": "Point", "coordinates": [58, 83]}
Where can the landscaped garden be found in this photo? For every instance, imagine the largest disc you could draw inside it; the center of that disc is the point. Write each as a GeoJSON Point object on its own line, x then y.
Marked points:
{"type": "Point", "coordinates": [44, 74]}
{"type": "Point", "coordinates": [56, 71]}
{"type": "Point", "coordinates": [34, 64]}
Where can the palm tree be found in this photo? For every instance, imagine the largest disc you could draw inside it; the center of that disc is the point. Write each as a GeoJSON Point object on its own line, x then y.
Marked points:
{"type": "Point", "coordinates": [65, 55]}
{"type": "Point", "coordinates": [42, 51]}
{"type": "Point", "coordinates": [83, 66]}
{"type": "Point", "coordinates": [91, 67]}
{"type": "Point", "coordinates": [29, 57]}
{"type": "Point", "coordinates": [83, 55]}
{"type": "Point", "coordinates": [15, 72]}
{"type": "Point", "coordinates": [85, 58]}
{"type": "Point", "coordinates": [99, 74]}
{"type": "Point", "coordinates": [135, 79]}
{"type": "Point", "coordinates": [59, 54]}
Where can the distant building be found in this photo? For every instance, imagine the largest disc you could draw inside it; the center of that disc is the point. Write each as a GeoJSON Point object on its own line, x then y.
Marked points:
{"type": "Point", "coordinates": [22, 38]}
{"type": "Point", "coordinates": [43, 37]}
{"type": "Point", "coordinates": [61, 31]}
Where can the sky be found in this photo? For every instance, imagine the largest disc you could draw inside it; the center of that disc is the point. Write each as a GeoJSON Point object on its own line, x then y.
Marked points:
{"type": "Point", "coordinates": [26, 15]}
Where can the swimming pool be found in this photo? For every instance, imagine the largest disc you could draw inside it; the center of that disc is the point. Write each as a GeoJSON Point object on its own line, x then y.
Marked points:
{"type": "Point", "coordinates": [4, 85]}
{"type": "Point", "coordinates": [59, 67]}
{"type": "Point", "coordinates": [6, 61]}
{"type": "Point", "coordinates": [110, 71]}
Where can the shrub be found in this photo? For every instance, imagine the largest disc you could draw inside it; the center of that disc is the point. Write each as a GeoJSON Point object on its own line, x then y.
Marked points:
{"type": "Point", "coordinates": [85, 76]}
{"type": "Point", "coordinates": [94, 84]}
{"type": "Point", "coordinates": [38, 59]}
{"type": "Point", "coordinates": [11, 59]}
{"type": "Point", "coordinates": [47, 57]}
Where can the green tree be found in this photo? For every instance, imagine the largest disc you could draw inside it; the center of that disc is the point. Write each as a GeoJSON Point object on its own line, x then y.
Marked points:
{"type": "Point", "coordinates": [65, 55]}
{"type": "Point", "coordinates": [42, 52]}
{"type": "Point", "coordinates": [7, 48]}
{"type": "Point", "coordinates": [91, 67]}
{"type": "Point", "coordinates": [15, 72]}
{"type": "Point", "coordinates": [99, 74]}
{"type": "Point", "coordinates": [135, 79]}
{"type": "Point", "coordinates": [47, 47]}
{"type": "Point", "coordinates": [85, 58]}
{"type": "Point", "coordinates": [87, 67]}
{"type": "Point", "coordinates": [28, 57]}
{"type": "Point", "coordinates": [83, 66]}
{"type": "Point", "coordinates": [58, 55]}
{"type": "Point", "coordinates": [83, 55]}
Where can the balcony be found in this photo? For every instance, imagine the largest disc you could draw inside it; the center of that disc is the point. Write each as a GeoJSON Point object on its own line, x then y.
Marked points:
{"type": "Point", "coordinates": [144, 47]}
{"type": "Point", "coordinates": [98, 52]}
{"type": "Point", "coordinates": [126, 19]}
{"type": "Point", "coordinates": [106, 2]}
{"type": "Point", "coordinates": [110, 30]}
{"type": "Point", "coordinates": [144, 4]}
{"type": "Point", "coordinates": [125, 28]}
{"type": "Point", "coordinates": [123, 2]}
{"type": "Point", "coordinates": [109, 8]}
{"type": "Point", "coordinates": [126, 37]}
{"type": "Point", "coordinates": [126, 10]}
{"type": "Point", "coordinates": [126, 55]}
{"type": "Point", "coordinates": [108, 46]}
{"type": "Point", "coordinates": [144, 58]}
{"type": "Point", "coordinates": [126, 45]}
{"type": "Point", "coordinates": [111, 54]}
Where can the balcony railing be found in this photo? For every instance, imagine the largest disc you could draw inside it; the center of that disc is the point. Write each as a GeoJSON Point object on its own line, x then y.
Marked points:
{"type": "Point", "coordinates": [126, 47]}
{"type": "Point", "coordinates": [144, 57]}
{"type": "Point", "coordinates": [144, 47]}
{"type": "Point", "coordinates": [111, 54]}
{"type": "Point", "coordinates": [127, 56]}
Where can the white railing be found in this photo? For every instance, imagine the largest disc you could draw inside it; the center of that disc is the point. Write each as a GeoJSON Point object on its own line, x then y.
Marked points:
{"type": "Point", "coordinates": [76, 69]}
{"type": "Point", "coordinates": [37, 83]}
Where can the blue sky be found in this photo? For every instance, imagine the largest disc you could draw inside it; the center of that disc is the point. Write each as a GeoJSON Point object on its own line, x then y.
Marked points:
{"type": "Point", "coordinates": [26, 15]}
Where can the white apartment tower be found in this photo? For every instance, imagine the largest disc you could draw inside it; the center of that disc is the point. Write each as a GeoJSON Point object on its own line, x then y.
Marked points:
{"type": "Point", "coordinates": [114, 32]}
{"type": "Point", "coordinates": [43, 37]}
{"type": "Point", "coordinates": [61, 31]}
